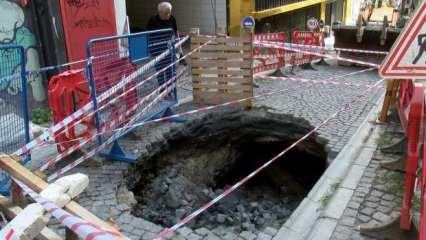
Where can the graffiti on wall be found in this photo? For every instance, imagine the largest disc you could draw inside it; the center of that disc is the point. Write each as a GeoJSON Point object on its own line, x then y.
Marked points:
{"type": "Point", "coordinates": [15, 29]}
{"type": "Point", "coordinates": [84, 20]}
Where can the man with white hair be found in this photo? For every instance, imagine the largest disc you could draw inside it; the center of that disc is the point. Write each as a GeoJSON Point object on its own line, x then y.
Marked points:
{"type": "Point", "coordinates": [164, 18]}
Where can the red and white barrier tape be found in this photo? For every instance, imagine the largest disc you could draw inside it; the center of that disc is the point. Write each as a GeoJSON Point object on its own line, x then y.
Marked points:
{"type": "Point", "coordinates": [266, 67]}
{"type": "Point", "coordinates": [315, 47]}
{"type": "Point", "coordinates": [9, 235]}
{"type": "Point", "coordinates": [109, 127]}
{"type": "Point", "coordinates": [224, 104]}
{"type": "Point", "coordinates": [270, 37]}
{"type": "Point", "coordinates": [111, 139]}
{"type": "Point", "coordinates": [282, 46]}
{"type": "Point", "coordinates": [303, 80]}
{"type": "Point", "coordinates": [75, 118]}
{"type": "Point", "coordinates": [267, 56]}
{"type": "Point", "coordinates": [83, 228]}
{"type": "Point", "coordinates": [168, 232]}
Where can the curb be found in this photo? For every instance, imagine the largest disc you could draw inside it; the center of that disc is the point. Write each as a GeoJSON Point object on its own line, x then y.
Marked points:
{"type": "Point", "coordinates": [315, 219]}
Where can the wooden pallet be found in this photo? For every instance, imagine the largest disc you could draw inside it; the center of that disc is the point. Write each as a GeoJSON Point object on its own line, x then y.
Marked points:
{"type": "Point", "coordinates": [222, 70]}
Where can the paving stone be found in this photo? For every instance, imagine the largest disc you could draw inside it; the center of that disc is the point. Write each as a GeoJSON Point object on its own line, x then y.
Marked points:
{"type": "Point", "coordinates": [247, 235]}
{"type": "Point", "coordinates": [388, 197]}
{"type": "Point", "coordinates": [270, 231]}
{"type": "Point", "coordinates": [371, 204]}
{"type": "Point", "coordinates": [350, 212]}
{"type": "Point", "coordinates": [340, 236]}
{"type": "Point", "coordinates": [376, 193]}
{"type": "Point", "coordinates": [211, 236]}
{"type": "Point", "coordinates": [364, 218]}
{"type": "Point", "coordinates": [202, 231]}
{"type": "Point", "coordinates": [343, 229]}
{"type": "Point", "coordinates": [374, 199]}
{"type": "Point", "coordinates": [184, 231]}
{"type": "Point", "coordinates": [263, 236]}
{"type": "Point", "coordinates": [348, 221]}
{"type": "Point", "coordinates": [385, 210]}
{"type": "Point", "coordinates": [381, 217]}
{"type": "Point", "coordinates": [193, 236]}
{"type": "Point", "coordinates": [230, 236]}
{"type": "Point", "coordinates": [367, 211]}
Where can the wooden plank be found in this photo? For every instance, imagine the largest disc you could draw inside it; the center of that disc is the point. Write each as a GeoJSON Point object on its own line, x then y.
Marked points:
{"type": "Point", "coordinates": [222, 86]}
{"type": "Point", "coordinates": [11, 211]}
{"type": "Point", "coordinates": [388, 101]}
{"type": "Point", "coordinates": [213, 63]}
{"type": "Point", "coordinates": [242, 72]}
{"type": "Point", "coordinates": [37, 184]}
{"type": "Point", "coordinates": [224, 79]}
{"type": "Point", "coordinates": [222, 55]}
{"type": "Point", "coordinates": [221, 97]}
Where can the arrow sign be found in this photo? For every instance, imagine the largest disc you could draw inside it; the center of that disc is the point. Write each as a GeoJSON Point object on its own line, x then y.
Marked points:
{"type": "Point", "coordinates": [407, 59]}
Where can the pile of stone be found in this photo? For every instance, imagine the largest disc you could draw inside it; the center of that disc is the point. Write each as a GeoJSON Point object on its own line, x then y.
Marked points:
{"type": "Point", "coordinates": [171, 196]}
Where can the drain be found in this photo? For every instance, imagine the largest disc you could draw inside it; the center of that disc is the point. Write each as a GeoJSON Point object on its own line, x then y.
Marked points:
{"type": "Point", "coordinates": [204, 157]}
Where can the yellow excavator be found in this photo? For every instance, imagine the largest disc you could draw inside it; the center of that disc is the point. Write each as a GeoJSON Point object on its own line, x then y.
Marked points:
{"type": "Point", "coordinates": [377, 27]}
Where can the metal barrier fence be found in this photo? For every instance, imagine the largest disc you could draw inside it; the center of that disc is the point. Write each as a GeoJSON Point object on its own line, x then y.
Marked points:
{"type": "Point", "coordinates": [122, 64]}
{"type": "Point", "coordinates": [14, 120]}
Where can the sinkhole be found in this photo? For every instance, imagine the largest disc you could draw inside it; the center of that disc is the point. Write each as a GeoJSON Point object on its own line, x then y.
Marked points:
{"type": "Point", "coordinates": [202, 158]}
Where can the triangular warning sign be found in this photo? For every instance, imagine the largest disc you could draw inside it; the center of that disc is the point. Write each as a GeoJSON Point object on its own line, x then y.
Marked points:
{"type": "Point", "coordinates": [407, 59]}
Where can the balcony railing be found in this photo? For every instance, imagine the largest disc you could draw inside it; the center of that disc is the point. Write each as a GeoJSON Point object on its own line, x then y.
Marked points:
{"type": "Point", "coordinates": [261, 5]}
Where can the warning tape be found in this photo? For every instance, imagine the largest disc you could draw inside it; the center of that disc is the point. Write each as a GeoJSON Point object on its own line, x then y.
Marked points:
{"type": "Point", "coordinates": [220, 105]}
{"type": "Point", "coordinates": [107, 128]}
{"type": "Point", "coordinates": [75, 118]}
{"type": "Point", "coordinates": [303, 80]}
{"type": "Point", "coordinates": [268, 56]}
{"type": "Point", "coordinates": [310, 47]}
{"type": "Point", "coordinates": [282, 46]}
{"type": "Point", "coordinates": [9, 235]}
{"type": "Point", "coordinates": [83, 228]}
{"type": "Point", "coordinates": [169, 231]}
{"type": "Point", "coordinates": [111, 139]}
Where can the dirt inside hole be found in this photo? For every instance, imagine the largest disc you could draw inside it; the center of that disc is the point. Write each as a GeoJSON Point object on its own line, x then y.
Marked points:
{"type": "Point", "coordinates": [204, 157]}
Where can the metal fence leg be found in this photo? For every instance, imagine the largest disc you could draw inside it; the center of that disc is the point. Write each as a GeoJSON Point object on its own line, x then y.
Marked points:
{"type": "Point", "coordinates": [117, 153]}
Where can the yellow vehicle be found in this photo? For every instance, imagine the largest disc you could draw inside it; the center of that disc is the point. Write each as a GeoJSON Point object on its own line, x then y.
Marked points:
{"type": "Point", "coordinates": [377, 27]}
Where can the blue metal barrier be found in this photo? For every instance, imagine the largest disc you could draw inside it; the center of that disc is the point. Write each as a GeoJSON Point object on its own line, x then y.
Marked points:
{"type": "Point", "coordinates": [14, 120]}
{"type": "Point", "coordinates": [125, 63]}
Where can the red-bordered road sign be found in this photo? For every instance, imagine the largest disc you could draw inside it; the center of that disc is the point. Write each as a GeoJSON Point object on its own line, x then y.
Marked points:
{"type": "Point", "coordinates": [407, 59]}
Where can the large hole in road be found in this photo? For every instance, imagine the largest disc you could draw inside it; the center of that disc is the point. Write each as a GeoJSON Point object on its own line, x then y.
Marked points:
{"type": "Point", "coordinates": [204, 157]}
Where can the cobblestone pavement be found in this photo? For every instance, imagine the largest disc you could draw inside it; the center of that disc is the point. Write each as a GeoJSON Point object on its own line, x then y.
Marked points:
{"type": "Point", "coordinates": [377, 198]}
{"type": "Point", "coordinates": [108, 197]}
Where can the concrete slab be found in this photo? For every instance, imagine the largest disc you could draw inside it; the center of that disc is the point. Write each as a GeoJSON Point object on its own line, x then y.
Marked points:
{"type": "Point", "coordinates": [323, 229]}
{"type": "Point", "coordinates": [365, 156]}
{"type": "Point", "coordinates": [338, 203]}
{"type": "Point", "coordinates": [354, 175]}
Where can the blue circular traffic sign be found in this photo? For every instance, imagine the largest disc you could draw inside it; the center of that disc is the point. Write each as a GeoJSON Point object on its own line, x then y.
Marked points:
{"type": "Point", "coordinates": [248, 22]}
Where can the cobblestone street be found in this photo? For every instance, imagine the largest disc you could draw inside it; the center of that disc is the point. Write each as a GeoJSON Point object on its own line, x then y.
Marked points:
{"type": "Point", "coordinates": [376, 202]}
{"type": "Point", "coordinates": [107, 195]}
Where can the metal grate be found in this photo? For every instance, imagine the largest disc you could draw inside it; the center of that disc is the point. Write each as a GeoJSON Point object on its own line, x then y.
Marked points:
{"type": "Point", "coordinates": [124, 64]}
{"type": "Point", "coordinates": [14, 121]}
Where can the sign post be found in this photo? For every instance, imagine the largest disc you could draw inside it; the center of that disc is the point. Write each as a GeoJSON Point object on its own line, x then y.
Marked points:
{"type": "Point", "coordinates": [248, 23]}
